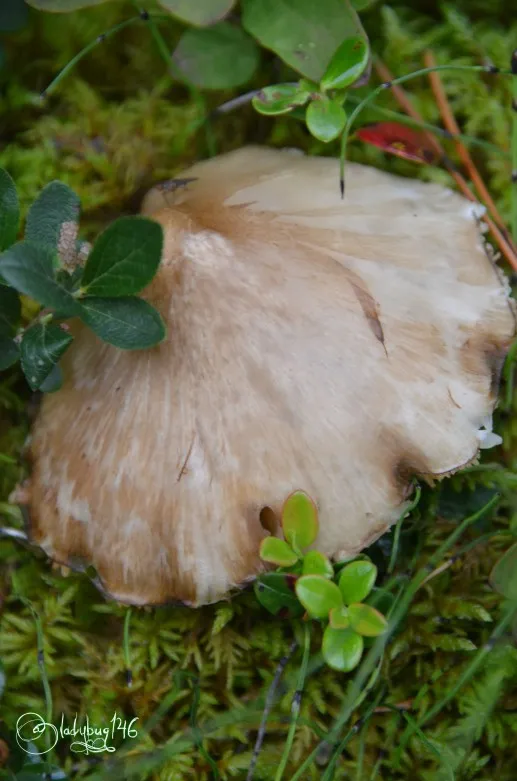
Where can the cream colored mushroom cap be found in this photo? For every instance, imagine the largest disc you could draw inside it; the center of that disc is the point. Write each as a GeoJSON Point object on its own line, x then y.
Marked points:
{"type": "Point", "coordinates": [335, 346]}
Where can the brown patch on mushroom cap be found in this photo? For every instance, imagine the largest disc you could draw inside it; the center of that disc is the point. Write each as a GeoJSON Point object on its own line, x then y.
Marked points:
{"type": "Point", "coordinates": [155, 466]}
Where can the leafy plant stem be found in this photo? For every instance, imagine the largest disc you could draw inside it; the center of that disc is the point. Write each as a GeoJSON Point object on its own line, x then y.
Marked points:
{"type": "Point", "coordinates": [295, 707]}
{"type": "Point", "coordinates": [399, 610]}
{"type": "Point", "coordinates": [387, 85]}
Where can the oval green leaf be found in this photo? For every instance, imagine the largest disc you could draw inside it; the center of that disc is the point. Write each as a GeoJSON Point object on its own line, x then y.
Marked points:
{"type": "Point", "coordinates": [303, 33]}
{"type": "Point", "coordinates": [54, 213]}
{"type": "Point", "coordinates": [356, 580]}
{"type": "Point", "coordinates": [9, 211]}
{"type": "Point", "coordinates": [10, 311]}
{"type": "Point", "coordinates": [318, 595]}
{"type": "Point", "coordinates": [325, 119]}
{"type": "Point", "coordinates": [41, 348]}
{"type": "Point", "coordinates": [275, 591]}
{"type": "Point", "coordinates": [127, 323]}
{"type": "Point", "coordinates": [316, 563]}
{"type": "Point", "coordinates": [279, 99]}
{"type": "Point", "coordinates": [367, 621]}
{"type": "Point", "coordinates": [277, 552]}
{"type": "Point", "coordinates": [219, 57]}
{"type": "Point", "coordinates": [54, 381]}
{"type": "Point", "coordinates": [347, 64]}
{"type": "Point", "coordinates": [124, 259]}
{"type": "Point", "coordinates": [300, 520]}
{"type": "Point", "coordinates": [338, 618]}
{"type": "Point", "coordinates": [503, 577]}
{"type": "Point", "coordinates": [30, 270]}
{"type": "Point", "coordinates": [199, 13]}
{"type": "Point", "coordinates": [342, 649]}
{"type": "Point", "coordinates": [9, 352]}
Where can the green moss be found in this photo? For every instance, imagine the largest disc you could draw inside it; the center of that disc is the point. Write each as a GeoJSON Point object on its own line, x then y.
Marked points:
{"type": "Point", "coordinates": [110, 130]}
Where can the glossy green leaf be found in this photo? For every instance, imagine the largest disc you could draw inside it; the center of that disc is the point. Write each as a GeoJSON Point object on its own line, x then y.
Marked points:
{"type": "Point", "coordinates": [316, 563]}
{"type": "Point", "coordinates": [503, 577]}
{"type": "Point", "coordinates": [276, 592]}
{"type": "Point", "coordinates": [304, 33]}
{"type": "Point", "coordinates": [318, 595]}
{"type": "Point", "coordinates": [29, 269]}
{"type": "Point", "coordinates": [63, 6]}
{"type": "Point", "coordinates": [127, 323]}
{"type": "Point", "coordinates": [277, 552]}
{"type": "Point", "coordinates": [325, 119]}
{"type": "Point", "coordinates": [279, 99]}
{"type": "Point", "coordinates": [338, 618]}
{"type": "Point", "coordinates": [9, 211]}
{"type": "Point", "coordinates": [219, 57]}
{"type": "Point", "coordinates": [347, 64]}
{"type": "Point", "coordinates": [300, 520]}
{"type": "Point", "coordinates": [124, 259]}
{"type": "Point", "coordinates": [361, 5]}
{"type": "Point", "coordinates": [356, 580]}
{"type": "Point", "coordinates": [56, 205]}
{"type": "Point", "coordinates": [13, 15]}
{"type": "Point", "coordinates": [200, 13]}
{"type": "Point", "coordinates": [342, 648]}
{"type": "Point", "coordinates": [41, 348]}
{"type": "Point", "coordinates": [9, 352]}
{"type": "Point", "coordinates": [10, 310]}
{"type": "Point", "coordinates": [366, 620]}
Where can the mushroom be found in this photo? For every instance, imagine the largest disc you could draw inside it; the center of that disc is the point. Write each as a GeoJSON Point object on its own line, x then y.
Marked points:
{"type": "Point", "coordinates": [342, 347]}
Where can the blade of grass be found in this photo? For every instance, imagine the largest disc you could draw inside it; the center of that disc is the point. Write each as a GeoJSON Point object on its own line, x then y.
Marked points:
{"type": "Point", "coordinates": [398, 527]}
{"type": "Point", "coordinates": [514, 144]}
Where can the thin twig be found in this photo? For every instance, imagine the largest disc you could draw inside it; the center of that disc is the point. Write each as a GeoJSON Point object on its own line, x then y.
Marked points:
{"type": "Point", "coordinates": [267, 707]}
{"type": "Point", "coordinates": [406, 104]}
{"type": "Point", "coordinates": [452, 126]}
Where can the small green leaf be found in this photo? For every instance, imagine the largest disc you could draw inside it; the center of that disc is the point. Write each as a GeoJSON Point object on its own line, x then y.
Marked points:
{"type": "Point", "coordinates": [9, 211]}
{"type": "Point", "coordinates": [357, 580]}
{"type": "Point", "coordinates": [277, 552]}
{"type": "Point", "coordinates": [338, 618]}
{"type": "Point", "coordinates": [342, 649]}
{"type": "Point", "coordinates": [300, 520]}
{"type": "Point", "coordinates": [275, 592]}
{"type": "Point", "coordinates": [367, 621]}
{"type": "Point", "coordinates": [128, 323]}
{"type": "Point", "coordinates": [347, 64]}
{"type": "Point", "coordinates": [29, 269]}
{"type": "Point", "coordinates": [325, 119]}
{"type": "Point", "coordinates": [304, 33]}
{"type": "Point", "coordinates": [124, 259]}
{"type": "Point", "coordinates": [199, 13]}
{"type": "Point", "coordinates": [9, 352]}
{"type": "Point", "coordinates": [10, 310]}
{"type": "Point", "coordinates": [41, 348]}
{"type": "Point", "coordinates": [55, 205]}
{"type": "Point", "coordinates": [218, 57]}
{"type": "Point", "coordinates": [503, 577]}
{"type": "Point", "coordinates": [316, 563]}
{"type": "Point", "coordinates": [279, 99]}
{"type": "Point", "coordinates": [54, 381]}
{"type": "Point", "coordinates": [318, 595]}
{"type": "Point", "coordinates": [63, 6]}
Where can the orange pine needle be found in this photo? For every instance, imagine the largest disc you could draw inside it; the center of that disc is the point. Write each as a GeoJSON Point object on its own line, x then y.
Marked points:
{"type": "Point", "coordinates": [404, 101]}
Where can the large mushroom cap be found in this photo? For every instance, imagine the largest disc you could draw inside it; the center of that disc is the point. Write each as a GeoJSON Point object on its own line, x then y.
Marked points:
{"type": "Point", "coordinates": [337, 346]}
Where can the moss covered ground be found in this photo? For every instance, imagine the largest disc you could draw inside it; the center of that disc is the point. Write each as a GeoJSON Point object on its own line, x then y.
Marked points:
{"type": "Point", "coordinates": [111, 129]}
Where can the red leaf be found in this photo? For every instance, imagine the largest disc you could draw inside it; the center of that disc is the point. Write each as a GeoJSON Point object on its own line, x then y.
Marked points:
{"type": "Point", "coordinates": [398, 140]}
